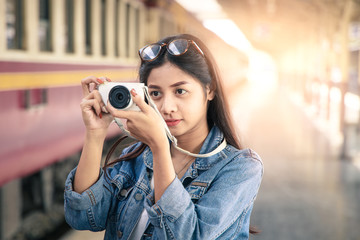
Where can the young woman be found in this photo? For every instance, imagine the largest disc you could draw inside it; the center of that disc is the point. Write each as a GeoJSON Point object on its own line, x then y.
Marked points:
{"type": "Point", "coordinates": [155, 191]}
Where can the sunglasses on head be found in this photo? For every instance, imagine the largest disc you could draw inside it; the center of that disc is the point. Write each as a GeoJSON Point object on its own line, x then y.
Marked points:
{"type": "Point", "coordinates": [176, 47]}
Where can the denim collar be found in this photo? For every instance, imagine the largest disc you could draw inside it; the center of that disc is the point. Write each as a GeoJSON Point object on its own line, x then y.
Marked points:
{"type": "Point", "coordinates": [212, 141]}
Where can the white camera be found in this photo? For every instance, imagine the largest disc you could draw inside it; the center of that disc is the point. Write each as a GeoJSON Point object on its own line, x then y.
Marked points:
{"type": "Point", "coordinates": [119, 96]}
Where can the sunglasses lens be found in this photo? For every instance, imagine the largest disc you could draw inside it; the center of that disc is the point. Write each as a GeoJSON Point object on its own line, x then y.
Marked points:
{"type": "Point", "coordinates": [150, 52]}
{"type": "Point", "coordinates": [178, 47]}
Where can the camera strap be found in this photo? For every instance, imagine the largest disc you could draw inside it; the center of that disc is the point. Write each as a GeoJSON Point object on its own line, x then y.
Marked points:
{"type": "Point", "coordinates": [173, 139]}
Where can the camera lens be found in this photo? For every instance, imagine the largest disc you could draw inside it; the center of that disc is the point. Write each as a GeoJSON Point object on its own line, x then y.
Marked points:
{"type": "Point", "coordinates": [119, 97]}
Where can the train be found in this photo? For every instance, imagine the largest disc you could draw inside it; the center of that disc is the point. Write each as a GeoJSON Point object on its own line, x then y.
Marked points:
{"type": "Point", "coordinates": [46, 48]}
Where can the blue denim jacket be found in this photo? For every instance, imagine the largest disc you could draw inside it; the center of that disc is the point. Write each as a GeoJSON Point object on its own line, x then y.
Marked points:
{"type": "Point", "coordinates": [213, 200]}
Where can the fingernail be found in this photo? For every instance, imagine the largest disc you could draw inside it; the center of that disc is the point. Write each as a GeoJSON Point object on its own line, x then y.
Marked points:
{"type": "Point", "coordinates": [108, 79]}
{"type": "Point", "coordinates": [133, 92]}
{"type": "Point", "coordinates": [100, 115]}
{"type": "Point", "coordinates": [104, 109]}
{"type": "Point", "coordinates": [100, 80]}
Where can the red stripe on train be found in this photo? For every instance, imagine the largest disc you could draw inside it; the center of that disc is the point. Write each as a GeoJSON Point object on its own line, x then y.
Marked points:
{"type": "Point", "coordinates": [31, 139]}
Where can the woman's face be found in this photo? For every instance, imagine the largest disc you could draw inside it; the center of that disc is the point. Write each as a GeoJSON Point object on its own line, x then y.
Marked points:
{"type": "Point", "coordinates": [181, 100]}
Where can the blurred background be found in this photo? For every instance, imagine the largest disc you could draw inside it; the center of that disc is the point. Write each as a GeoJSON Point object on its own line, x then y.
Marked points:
{"type": "Point", "coordinates": [290, 69]}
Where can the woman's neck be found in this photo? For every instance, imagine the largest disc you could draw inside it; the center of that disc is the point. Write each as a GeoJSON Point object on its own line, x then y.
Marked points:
{"type": "Point", "coordinates": [192, 141]}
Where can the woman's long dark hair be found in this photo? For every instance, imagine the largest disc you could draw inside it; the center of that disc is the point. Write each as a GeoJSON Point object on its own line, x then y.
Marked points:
{"type": "Point", "coordinates": [205, 70]}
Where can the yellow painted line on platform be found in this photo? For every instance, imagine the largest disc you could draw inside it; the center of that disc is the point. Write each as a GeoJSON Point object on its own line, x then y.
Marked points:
{"type": "Point", "coordinates": [12, 81]}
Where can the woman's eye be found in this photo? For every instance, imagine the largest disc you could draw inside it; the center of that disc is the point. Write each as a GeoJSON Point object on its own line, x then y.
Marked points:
{"type": "Point", "coordinates": [181, 91]}
{"type": "Point", "coordinates": [155, 94]}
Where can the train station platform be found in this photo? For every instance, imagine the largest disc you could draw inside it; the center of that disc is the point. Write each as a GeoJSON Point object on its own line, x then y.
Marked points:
{"type": "Point", "coordinates": [83, 235]}
{"type": "Point", "coordinates": [307, 191]}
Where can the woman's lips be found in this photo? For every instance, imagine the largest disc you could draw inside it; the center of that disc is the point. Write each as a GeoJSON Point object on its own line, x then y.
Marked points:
{"type": "Point", "coordinates": [172, 122]}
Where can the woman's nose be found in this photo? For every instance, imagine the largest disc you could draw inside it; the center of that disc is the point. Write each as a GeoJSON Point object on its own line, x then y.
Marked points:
{"type": "Point", "coordinates": [168, 105]}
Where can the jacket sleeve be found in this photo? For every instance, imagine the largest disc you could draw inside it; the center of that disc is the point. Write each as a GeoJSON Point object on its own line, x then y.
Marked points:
{"type": "Point", "coordinates": [229, 199]}
{"type": "Point", "coordinates": [88, 210]}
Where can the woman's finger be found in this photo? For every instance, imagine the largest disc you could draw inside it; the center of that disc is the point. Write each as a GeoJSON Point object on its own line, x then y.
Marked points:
{"type": "Point", "coordinates": [120, 113]}
{"type": "Point", "coordinates": [98, 97]}
{"type": "Point", "coordinates": [85, 84]}
{"type": "Point", "coordinates": [91, 104]}
{"type": "Point", "coordinates": [89, 83]}
{"type": "Point", "coordinates": [139, 101]}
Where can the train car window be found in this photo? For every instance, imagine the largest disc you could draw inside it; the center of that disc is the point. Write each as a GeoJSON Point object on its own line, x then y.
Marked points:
{"type": "Point", "coordinates": [32, 98]}
{"type": "Point", "coordinates": [117, 25]}
{"type": "Point", "coordinates": [166, 27]}
{"type": "Point", "coordinates": [162, 26]}
{"type": "Point", "coordinates": [45, 25]}
{"type": "Point", "coordinates": [137, 29]}
{"type": "Point", "coordinates": [14, 24]}
{"type": "Point", "coordinates": [127, 38]}
{"type": "Point", "coordinates": [88, 25]}
{"type": "Point", "coordinates": [69, 26]}
{"type": "Point", "coordinates": [103, 27]}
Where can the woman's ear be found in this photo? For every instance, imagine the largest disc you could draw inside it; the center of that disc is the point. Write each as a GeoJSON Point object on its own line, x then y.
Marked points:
{"type": "Point", "coordinates": [210, 92]}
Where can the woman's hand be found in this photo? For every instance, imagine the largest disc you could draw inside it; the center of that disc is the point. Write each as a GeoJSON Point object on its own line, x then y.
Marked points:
{"type": "Point", "coordinates": [148, 127]}
{"type": "Point", "coordinates": [96, 121]}
{"type": "Point", "coordinates": [92, 107]}
{"type": "Point", "coordinates": [145, 125]}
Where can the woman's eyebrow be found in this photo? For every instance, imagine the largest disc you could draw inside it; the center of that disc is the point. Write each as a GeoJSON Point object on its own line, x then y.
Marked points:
{"type": "Point", "coordinates": [172, 85]}
{"type": "Point", "coordinates": [153, 86]}
{"type": "Point", "coordinates": [179, 83]}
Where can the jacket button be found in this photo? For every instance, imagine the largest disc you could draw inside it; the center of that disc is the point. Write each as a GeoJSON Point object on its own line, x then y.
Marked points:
{"type": "Point", "coordinates": [123, 192]}
{"type": "Point", "coordinates": [138, 196]}
{"type": "Point", "coordinates": [119, 234]}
